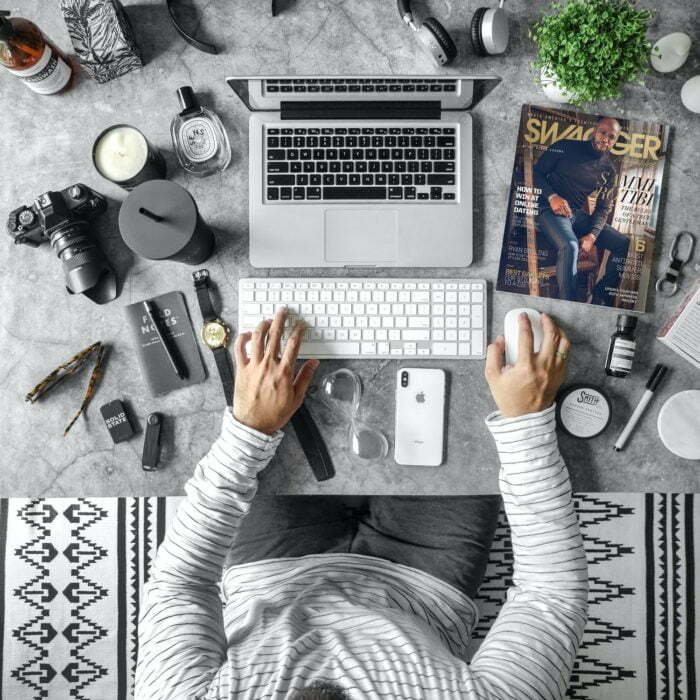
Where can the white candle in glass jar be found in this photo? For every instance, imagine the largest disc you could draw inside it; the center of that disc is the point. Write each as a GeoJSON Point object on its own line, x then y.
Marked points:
{"type": "Point", "coordinates": [120, 153]}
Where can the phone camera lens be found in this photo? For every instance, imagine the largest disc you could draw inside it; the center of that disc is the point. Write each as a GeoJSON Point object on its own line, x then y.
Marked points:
{"type": "Point", "coordinates": [404, 379]}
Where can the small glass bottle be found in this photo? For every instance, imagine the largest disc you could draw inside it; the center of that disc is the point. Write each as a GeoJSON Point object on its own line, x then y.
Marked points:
{"type": "Point", "coordinates": [199, 138]}
{"type": "Point", "coordinates": [28, 54]}
{"type": "Point", "coordinates": [622, 346]}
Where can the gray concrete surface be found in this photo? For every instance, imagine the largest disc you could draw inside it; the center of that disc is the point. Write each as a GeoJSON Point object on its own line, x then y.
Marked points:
{"type": "Point", "coordinates": [45, 143]}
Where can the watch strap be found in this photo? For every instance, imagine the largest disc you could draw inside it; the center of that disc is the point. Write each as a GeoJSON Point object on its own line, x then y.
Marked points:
{"type": "Point", "coordinates": [201, 286]}
{"type": "Point", "coordinates": [225, 368]}
{"type": "Point", "coordinates": [313, 444]}
{"type": "Point", "coordinates": [205, 305]}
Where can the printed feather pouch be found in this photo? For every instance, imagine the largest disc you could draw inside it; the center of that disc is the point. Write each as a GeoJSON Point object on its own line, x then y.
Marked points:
{"type": "Point", "coordinates": [102, 37]}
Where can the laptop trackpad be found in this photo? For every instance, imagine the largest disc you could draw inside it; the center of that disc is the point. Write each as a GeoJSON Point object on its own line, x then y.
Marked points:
{"type": "Point", "coordinates": [361, 235]}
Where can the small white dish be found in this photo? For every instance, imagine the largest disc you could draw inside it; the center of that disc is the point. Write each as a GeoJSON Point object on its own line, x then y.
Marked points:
{"type": "Point", "coordinates": [679, 424]}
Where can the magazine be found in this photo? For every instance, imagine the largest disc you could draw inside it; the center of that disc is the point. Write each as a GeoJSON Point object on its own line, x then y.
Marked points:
{"type": "Point", "coordinates": [682, 331]}
{"type": "Point", "coordinates": [583, 207]}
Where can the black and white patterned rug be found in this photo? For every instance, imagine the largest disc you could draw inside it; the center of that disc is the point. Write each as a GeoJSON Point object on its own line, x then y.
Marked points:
{"type": "Point", "coordinates": [72, 570]}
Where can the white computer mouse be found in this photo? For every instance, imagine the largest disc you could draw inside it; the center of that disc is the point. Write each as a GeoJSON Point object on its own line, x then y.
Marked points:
{"type": "Point", "coordinates": [511, 329]}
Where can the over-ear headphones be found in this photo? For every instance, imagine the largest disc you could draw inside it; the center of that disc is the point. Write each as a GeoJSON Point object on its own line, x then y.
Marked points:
{"type": "Point", "coordinates": [489, 32]}
{"type": "Point", "coordinates": [431, 34]}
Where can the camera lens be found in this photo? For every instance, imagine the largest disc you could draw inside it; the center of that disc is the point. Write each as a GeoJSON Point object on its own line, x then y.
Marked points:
{"type": "Point", "coordinates": [85, 268]}
{"type": "Point", "coordinates": [404, 379]}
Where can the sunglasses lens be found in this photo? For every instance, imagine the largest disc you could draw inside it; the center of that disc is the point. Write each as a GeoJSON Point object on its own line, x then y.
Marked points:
{"type": "Point", "coordinates": [368, 444]}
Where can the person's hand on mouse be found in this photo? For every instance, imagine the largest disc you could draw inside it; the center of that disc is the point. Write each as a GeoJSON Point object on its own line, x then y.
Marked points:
{"type": "Point", "coordinates": [268, 393]}
{"type": "Point", "coordinates": [532, 383]}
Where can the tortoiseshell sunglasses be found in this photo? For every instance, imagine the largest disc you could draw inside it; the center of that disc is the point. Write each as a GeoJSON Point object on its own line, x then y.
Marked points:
{"type": "Point", "coordinates": [67, 369]}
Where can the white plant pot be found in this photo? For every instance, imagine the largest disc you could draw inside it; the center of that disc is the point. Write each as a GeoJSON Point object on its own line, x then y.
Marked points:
{"type": "Point", "coordinates": [552, 89]}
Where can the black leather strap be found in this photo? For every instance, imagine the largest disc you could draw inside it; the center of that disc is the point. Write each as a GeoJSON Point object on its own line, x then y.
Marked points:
{"type": "Point", "coordinates": [404, 7]}
{"type": "Point", "coordinates": [313, 445]}
{"type": "Point", "coordinates": [221, 355]}
{"type": "Point", "coordinates": [201, 286]}
{"type": "Point", "coordinates": [225, 367]}
{"type": "Point", "coordinates": [191, 40]}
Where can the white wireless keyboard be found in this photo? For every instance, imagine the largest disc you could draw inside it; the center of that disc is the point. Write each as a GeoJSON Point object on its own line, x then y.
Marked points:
{"type": "Point", "coordinates": [354, 317]}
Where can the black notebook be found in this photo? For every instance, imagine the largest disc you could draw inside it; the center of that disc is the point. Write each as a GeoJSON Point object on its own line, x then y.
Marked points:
{"type": "Point", "coordinates": [157, 371]}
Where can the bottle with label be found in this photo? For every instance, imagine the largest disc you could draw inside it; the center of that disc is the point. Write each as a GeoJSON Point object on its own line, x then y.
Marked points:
{"type": "Point", "coordinates": [28, 54]}
{"type": "Point", "coordinates": [199, 138]}
{"type": "Point", "coordinates": [622, 346]}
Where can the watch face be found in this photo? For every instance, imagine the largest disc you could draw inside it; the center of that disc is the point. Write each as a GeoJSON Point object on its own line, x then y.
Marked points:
{"type": "Point", "coordinates": [215, 334]}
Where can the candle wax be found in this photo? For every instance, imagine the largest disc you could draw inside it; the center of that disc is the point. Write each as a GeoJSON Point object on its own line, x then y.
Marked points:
{"type": "Point", "coordinates": [121, 153]}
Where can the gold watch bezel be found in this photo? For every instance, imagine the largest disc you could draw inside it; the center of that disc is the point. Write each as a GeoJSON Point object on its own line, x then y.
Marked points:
{"type": "Point", "coordinates": [215, 334]}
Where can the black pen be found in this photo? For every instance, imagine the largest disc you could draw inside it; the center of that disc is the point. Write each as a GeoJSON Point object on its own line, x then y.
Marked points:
{"type": "Point", "coordinates": [153, 316]}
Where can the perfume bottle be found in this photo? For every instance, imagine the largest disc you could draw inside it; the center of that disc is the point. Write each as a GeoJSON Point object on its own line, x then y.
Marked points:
{"type": "Point", "coordinates": [199, 138]}
{"type": "Point", "coordinates": [28, 54]}
{"type": "Point", "coordinates": [618, 362]}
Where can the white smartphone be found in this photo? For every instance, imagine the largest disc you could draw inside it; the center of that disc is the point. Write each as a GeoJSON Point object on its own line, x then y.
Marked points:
{"type": "Point", "coordinates": [420, 416]}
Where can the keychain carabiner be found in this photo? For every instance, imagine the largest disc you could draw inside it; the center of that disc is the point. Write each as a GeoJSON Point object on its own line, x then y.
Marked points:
{"type": "Point", "coordinates": [668, 284]}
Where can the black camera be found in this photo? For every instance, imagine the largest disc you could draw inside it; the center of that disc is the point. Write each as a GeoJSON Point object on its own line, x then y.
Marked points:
{"type": "Point", "coordinates": [62, 218]}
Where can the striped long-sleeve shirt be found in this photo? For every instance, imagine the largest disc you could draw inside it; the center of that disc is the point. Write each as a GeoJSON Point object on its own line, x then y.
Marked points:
{"type": "Point", "coordinates": [372, 627]}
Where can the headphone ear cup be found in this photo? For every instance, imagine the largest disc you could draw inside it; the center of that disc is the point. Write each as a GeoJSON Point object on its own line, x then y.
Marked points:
{"type": "Point", "coordinates": [477, 43]}
{"type": "Point", "coordinates": [443, 39]}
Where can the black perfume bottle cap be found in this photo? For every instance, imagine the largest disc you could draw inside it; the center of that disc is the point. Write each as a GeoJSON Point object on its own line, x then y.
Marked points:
{"type": "Point", "coordinates": [626, 323]}
{"type": "Point", "coordinates": [187, 98]}
{"type": "Point", "coordinates": [6, 28]}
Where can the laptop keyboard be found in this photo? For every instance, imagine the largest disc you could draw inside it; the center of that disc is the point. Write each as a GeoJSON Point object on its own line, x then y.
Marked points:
{"type": "Point", "coordinates": [380, 317]}
{"type": "Point", "coordinates": [385, 163]}
{"type": "Point", "coordinates": [363, 85]}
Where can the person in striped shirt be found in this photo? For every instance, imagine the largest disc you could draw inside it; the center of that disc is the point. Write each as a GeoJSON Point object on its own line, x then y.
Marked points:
{"type": "Point", "coordinates": [392, 616]}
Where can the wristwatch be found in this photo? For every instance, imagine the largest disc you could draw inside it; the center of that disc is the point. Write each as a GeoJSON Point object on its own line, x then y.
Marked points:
{"type": "Point", "coordinates": [215, 333]}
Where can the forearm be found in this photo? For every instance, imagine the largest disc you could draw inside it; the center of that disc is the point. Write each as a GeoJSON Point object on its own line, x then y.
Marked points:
{"type": "Point", "coordinates": [536, 492]}
{"type": "Point", "coordinates": [604, 203]}
{"type": "Point", "coordinates": [531, 647]}
{"type": "Point", "coordinates": [218, 496]}
{"type": "Point", "coordinates": [600, 215]}
{"type": "Point", "coordinates": [544, 165]}
{"type": "Point", "coordinates": [181, 636]}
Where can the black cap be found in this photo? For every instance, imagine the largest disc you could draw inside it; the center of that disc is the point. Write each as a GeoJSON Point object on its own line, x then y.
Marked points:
{"type": "Point", "coordinates": [6, 28]}
{"type": "Point", "coordinates": [187, 98]}
{"type": "Point", "coordinates": [656, 376]}
{"type": "Point", "coordinates": [626, 323]}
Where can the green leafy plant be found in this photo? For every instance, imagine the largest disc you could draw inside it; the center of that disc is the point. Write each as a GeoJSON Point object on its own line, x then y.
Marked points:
{"type": "Point", "coordinates": [591, 47]}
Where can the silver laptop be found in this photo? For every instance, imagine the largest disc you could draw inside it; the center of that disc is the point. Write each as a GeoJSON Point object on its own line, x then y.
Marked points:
{"type": "Point", "coordinates": [361, 171]}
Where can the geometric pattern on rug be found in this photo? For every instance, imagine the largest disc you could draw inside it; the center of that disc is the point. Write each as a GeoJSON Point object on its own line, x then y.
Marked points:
{"type": "Point", "coordinates": [72, 572]}
{"type": "Point", "coordinates": [640, 640]}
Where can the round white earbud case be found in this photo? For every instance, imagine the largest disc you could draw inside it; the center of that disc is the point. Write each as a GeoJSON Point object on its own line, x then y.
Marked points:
{"type": "Point", "coordinates": [679, 424]}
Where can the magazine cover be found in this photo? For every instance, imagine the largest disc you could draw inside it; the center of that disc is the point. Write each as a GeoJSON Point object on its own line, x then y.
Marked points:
{"type": "Point", "coordinates": [583, 206]}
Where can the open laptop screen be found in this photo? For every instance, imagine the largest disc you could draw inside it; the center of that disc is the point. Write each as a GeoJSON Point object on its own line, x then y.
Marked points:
{"type": "Point", "coordinates": [454, 92]}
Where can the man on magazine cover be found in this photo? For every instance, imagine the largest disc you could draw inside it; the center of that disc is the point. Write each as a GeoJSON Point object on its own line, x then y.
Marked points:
{"type": "Point", "coordinates": [567, 173]}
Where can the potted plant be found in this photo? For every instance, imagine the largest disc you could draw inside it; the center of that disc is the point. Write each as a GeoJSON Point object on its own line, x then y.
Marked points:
{"type": "Point", "coordinates": [588, 48]}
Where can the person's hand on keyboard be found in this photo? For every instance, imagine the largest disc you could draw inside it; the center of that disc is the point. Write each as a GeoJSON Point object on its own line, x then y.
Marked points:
{"type": "Point", "coordinates": [532, 383]}
{"type": "Point", "coordinates": [267, 392]}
